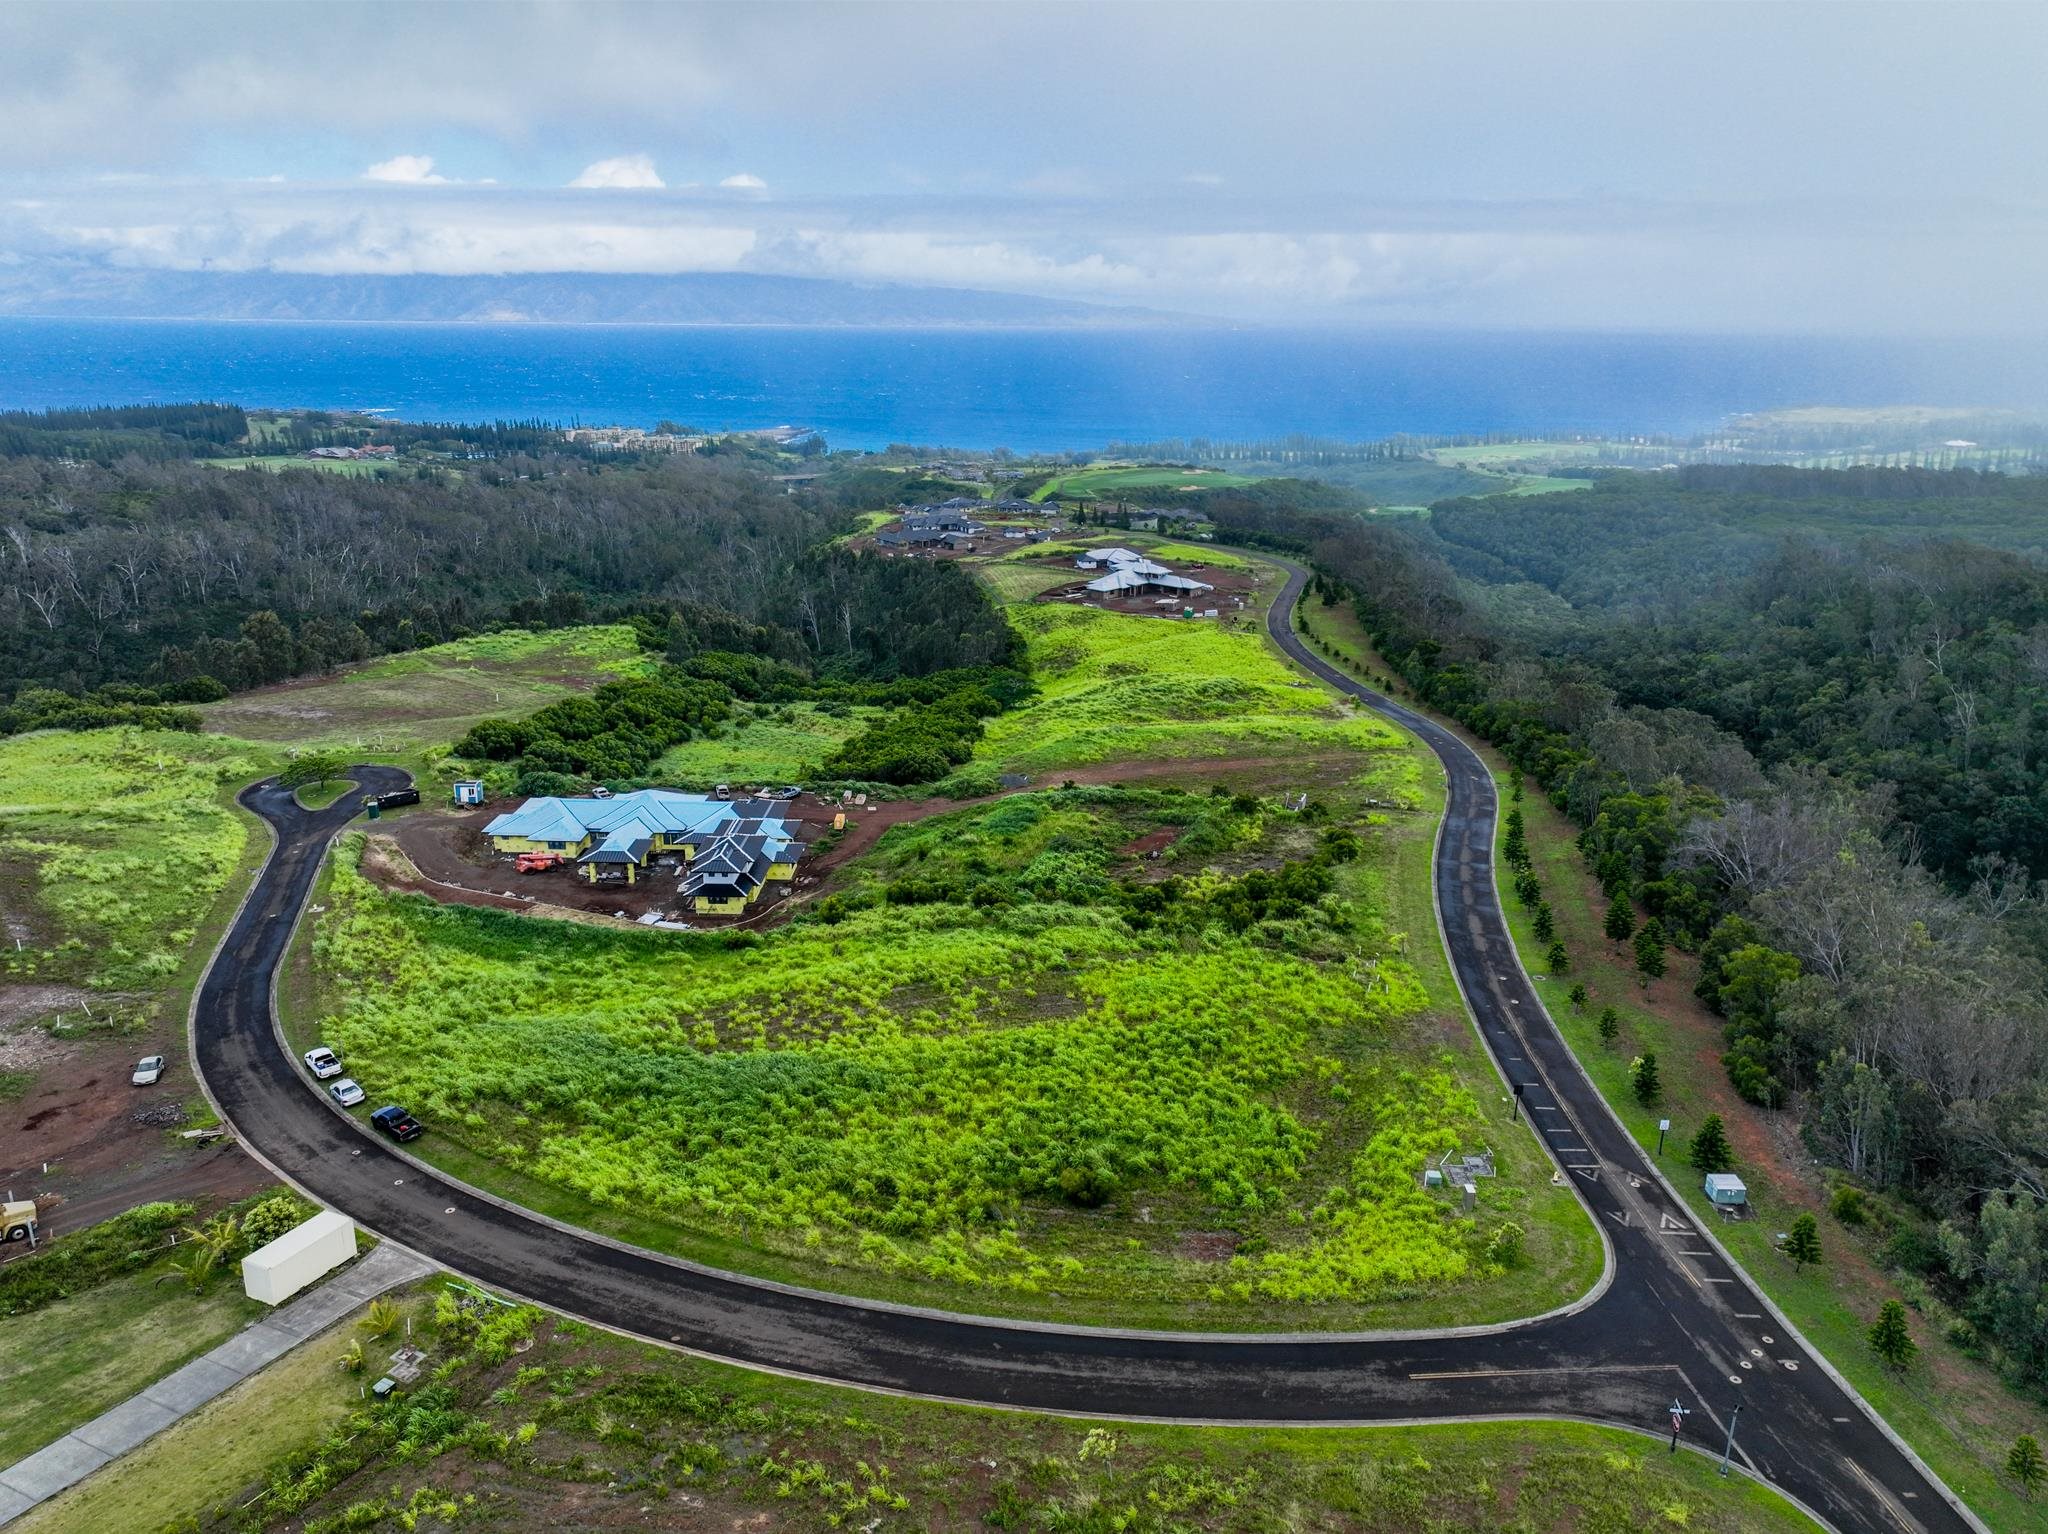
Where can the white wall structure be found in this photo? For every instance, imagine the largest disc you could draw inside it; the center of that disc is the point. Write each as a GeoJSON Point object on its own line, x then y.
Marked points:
{"type": "Point", "coordinates": [306, 1252]}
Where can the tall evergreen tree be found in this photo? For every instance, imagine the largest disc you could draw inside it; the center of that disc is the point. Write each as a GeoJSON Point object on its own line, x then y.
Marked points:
{"type": "Point", "coordinates": [1710, 1151]}
{"type": "Point", "coordinates": [1891, 1340]}
{"type": "Point", "coordinates": [1802, 1242]}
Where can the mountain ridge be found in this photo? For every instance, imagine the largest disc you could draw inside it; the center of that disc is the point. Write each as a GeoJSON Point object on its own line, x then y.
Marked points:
{"type": "Point", "coordinates": [83, 291]}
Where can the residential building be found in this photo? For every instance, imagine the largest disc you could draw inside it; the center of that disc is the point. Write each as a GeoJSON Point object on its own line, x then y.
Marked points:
{"type": "Point", "coordinates": [620, 838]}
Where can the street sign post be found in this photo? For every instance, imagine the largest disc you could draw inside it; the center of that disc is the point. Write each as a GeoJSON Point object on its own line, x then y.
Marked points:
{"type": "Point", "coordinates": [1663, 1128]}
{"type": "Point", "coordinates": [1678, 1416]}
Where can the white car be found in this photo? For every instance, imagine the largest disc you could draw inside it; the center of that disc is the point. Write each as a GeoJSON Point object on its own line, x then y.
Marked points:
{"type": "Point", "coordinates": [346, 1092]}
{"type": "Point", "coordinates": [323, 1062]}
{"type": "Point", "coordinates": [149, 1070]}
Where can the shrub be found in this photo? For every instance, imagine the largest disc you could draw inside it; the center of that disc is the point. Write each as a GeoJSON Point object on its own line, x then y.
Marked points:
{"type": "Point", "coordinates": [1849, 1205]}
{"type": "Point", "coordinates": [271, 1218]}
{"type": "Point", "coordinates": [1504, 1246]}
{"type": "Point", "coordinates": [71, 1264]}
{"type": "Point", "coordinates": [1802, 1242]}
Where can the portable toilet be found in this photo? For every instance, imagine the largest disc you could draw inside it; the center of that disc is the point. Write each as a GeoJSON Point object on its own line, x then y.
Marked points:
{"type": "Point", "coordinates": [469, 791]}
{"type": "Point", "coordinates": [1726, 1189]}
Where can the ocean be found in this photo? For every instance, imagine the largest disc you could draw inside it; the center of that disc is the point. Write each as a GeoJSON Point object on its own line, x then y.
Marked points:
{"type": "Point", "coordinates": [1032, 390]}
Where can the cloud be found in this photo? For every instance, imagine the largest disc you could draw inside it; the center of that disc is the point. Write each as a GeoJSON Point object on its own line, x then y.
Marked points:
{"type": "Point", "coordinates": [408, 169]}
{"type": "Point", "coordinates": [744, 183]}
{"type": "Point", "coordinates": [626, 172]}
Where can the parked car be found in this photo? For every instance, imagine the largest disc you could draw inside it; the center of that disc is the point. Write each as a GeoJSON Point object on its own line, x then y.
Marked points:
{"type": "Point", "coordinates": [791, 792]}
{"type": "Point", "coordinates": [394, 799]}
{"type": "Point", "coordinates": [723, 791]}
{"type": "Point", "coordinates": [149, 1070]}
{"type": "Point", "coordinates": [346, 1092]}
{"type": "Point", "coordinates": [397, 1123]}
{"type": "Point", "coordinates": [323, 1062]}
{"type": "Point", "coordinates": [600, 792]}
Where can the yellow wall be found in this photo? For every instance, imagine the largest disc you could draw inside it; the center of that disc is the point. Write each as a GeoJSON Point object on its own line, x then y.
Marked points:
{"type": "Point", "coordinates": [709, 907]}
{"type": "Point", "coordinates": [528, 844]}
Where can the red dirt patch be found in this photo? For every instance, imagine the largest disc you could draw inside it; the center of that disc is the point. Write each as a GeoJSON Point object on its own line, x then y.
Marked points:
{"type": "Point", "coordinates": [78, 1117]}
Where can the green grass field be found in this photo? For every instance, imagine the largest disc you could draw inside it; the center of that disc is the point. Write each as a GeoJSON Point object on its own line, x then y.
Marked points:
{"type": "Point", "coordinates": [782, 744]}
{"type": "Point", "coordinates": [422, 698]}
{"type": "Point", "coordinates": [1113, 480]}
{"type": "Point", "coordinates": [69, 1361]}
{"type": "Point", "coordinates": [114, 845]}
{"type": "Point", "coordinates": [1012, 581]}
{"type": "Point", "coordinates": [351, 466]}
{"type": "Point", "coordinates": [1122, 688]}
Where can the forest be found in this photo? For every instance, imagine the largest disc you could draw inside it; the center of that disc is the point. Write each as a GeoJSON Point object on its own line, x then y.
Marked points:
{"type": "Point", "coordinates": [1802, 719]}
{"type": "Point", "coordinates": [164, 573]}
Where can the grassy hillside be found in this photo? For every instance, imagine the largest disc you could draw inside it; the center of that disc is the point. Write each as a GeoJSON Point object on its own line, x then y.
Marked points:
{"type": "Point", "coordinates": [113, 845]}
{"type": "Point", "coordinates": [979, 1070]}
{"type": "Point", "coordinates": [404, 702]}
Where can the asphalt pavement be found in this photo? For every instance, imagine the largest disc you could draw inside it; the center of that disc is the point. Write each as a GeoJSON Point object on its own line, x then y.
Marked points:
{"type": "Point", "coordinates": [1677, 1320]}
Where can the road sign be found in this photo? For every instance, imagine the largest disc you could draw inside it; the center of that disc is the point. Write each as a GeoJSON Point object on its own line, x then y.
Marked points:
{"type": "Point", "coordinates": [1678, 1416]}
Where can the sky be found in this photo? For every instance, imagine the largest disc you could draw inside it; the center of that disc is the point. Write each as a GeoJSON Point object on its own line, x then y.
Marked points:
{"type": "Point", "coordinates": [1837, 167]}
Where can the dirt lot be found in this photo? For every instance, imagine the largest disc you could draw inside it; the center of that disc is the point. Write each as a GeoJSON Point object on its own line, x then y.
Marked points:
{"type": "Point", "coordinates": [453, 861]}
{"type": "Point", "coordinates": [109, 1146]}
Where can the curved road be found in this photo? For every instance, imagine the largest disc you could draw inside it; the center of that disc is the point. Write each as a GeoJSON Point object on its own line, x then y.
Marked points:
{"type": "Point", "coordinates": [1677, 1322]}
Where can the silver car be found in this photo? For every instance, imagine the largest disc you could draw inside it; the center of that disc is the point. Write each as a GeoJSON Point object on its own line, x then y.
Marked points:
{"type": "Point", "coordinates": [149, 1070]}
{"type": "Point", "coordinates": [346, 1092]}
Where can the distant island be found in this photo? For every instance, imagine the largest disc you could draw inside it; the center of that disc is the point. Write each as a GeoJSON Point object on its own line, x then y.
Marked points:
{"type": "Point", "coordinates": [78, 290]}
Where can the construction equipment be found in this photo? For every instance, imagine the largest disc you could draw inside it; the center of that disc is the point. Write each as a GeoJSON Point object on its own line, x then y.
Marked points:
{"type": "Point", "coordinates": [538, 862]}
{"type": "Point", "coordinates": [18, 1220]}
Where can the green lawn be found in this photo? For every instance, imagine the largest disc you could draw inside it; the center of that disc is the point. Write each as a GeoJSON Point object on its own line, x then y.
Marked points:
{"type": "Point", "coordinates": [213, 1457]}
{"type": "Point", "coordinates": [423, 698]}
{"type": "Point", "coordinates": [276, 465]}
{"type": "Point", "coordinates": [1114, 480]}
{"type": "Point", "coordinates": [67, 1362]}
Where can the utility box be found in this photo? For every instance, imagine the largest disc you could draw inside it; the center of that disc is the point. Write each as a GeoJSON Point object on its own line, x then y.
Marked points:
{"type": "Point", "coordinates": [303, 1254]}
{"type": "Point", "coordinates": [1726, 1189]}
{"type": "Point", "coordinates": [469, 791]}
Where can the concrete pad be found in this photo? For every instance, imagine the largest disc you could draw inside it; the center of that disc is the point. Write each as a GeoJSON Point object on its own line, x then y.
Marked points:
{"type": "Point", "coordinates": [122, 1427]}
{"type": "Point", "coordinates": [48, 1471]}
{"type": "Point", "coordinates": [253, 1347]}
{"type": "Point", "coordinates": [194, 1385]}
{"type": "Point", "coordinates": [13, 1504]}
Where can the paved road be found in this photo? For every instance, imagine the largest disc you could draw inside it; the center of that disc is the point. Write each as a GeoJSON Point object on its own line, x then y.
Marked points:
{"type": "Point", "coordinates": [1677, 1321]}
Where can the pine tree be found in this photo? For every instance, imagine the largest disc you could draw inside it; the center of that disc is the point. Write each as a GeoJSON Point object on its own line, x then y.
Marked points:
{"type": "Point", "coordinates": [1710, 1152]}
{"type": "Point", "coordinates": [1890, 1339]}
{"type": "Point", "coordinates": [1621, 921]}
{"type": "Point", "coordinates": [1579, 997]}
{"type": "Point", "coordinates": [1642, 1073]}
{"type": "Point", "coordinates": [1650, 951]}
{"type": "Point", "coordinates": [2024, 1464]}
{"type": "Point", "coordinates": [1802, 1242]}
{"type": "Point", "coordinates": [1527, 889]}
{"type": "Point", "coordinates": [1545, 923]}
{"type": "Point", "coordinates": [1558, 960]}
{"type": "Point", "coordinates": [1610, 1025]}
